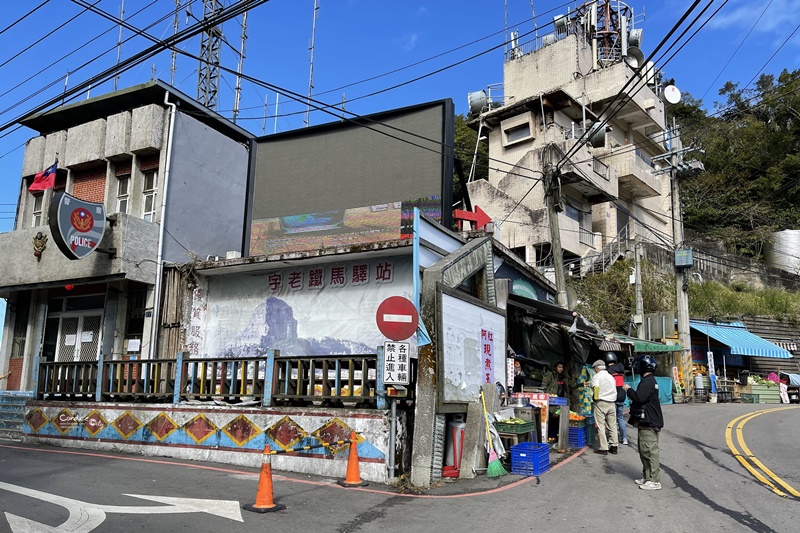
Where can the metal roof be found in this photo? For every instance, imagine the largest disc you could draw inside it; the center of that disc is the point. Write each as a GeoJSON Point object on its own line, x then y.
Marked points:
{"type": "Point", "coordinates": [740, 341]}
{"type": "Point", "coordinates": [643, 346]}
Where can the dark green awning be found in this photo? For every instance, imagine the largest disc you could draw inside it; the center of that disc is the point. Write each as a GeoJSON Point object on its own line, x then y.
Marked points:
{"type": "Point", "coordinates": [641, 346]}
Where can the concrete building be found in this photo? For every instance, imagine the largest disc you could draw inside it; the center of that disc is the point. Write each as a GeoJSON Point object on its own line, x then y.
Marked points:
{"type": "Point", "coordinates": [582, 100]}
{"type": "Point", "coordinates": [154, 158]}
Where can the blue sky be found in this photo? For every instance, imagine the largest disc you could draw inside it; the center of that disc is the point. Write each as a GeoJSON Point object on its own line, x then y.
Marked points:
{"type": "Point", "coordinates": [452, 46]}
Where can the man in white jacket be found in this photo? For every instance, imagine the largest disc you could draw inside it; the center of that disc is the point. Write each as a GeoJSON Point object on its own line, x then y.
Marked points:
{"type": "Point", "coordinates": [605, 410]}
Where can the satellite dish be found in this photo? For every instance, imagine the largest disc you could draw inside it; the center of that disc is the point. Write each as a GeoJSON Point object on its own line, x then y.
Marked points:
{"type": "Point", "coordinates": [635, 57]}
{"type": "Point", "coordinates": [477, 102]}
{"type": "Point", "coordinates": [672, 94]}
{"type": "Point", "coordinates": [635, 38]}
{"type": "Point", "coordinates": [548, 39]}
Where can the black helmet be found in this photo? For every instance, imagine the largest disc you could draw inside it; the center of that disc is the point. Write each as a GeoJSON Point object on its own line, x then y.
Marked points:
{"type": "Point", "coordinates": [611, 358]}
{"type": "Point", "coordinates": [645, 363]}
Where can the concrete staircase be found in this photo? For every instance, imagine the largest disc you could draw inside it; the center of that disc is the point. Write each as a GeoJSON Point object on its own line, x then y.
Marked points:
{"type": "Point", "coordinates": [12, 412]}
{"type": "Point", "coordinates": [608, 255]}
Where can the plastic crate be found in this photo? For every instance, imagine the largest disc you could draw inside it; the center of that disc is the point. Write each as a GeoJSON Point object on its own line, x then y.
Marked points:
{"type": "Point", "coordinates": [749, 398]}
{"type": "Point", "coordinates": [577, 437]}
{"type": "Point", "coordinates": [577, 423]}
{"type": "Point", "coordinates": [590, 434]}
{"type": "Point", "coordinates": [503, 427]}
{"type": "Point", "coordinates": [530, 459]}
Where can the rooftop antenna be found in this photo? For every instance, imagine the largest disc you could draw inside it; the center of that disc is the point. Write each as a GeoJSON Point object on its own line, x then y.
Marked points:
{"type": "Point", "coordinates": [535, 26]}
{"type": "Point", "coordinates": [66, 82]}
{"type": "Point", "coordinates": [264, 124]}
{"type": "Point", "coordinates": [275, 127]}
{"type": "Point", "coordinates": [505, 28]}
{"type": "Point", "coordinates": [119, 39]}
{"type": "Point", "coordinates": [175, 24]}
{"type": "Point", "coordinates": [311, 68]}
{"type": "Point", "coordinates": [210, 44]}
{"type": "Point", "coordinates": [238, 90]}
{"type": "Point", "coordinates": [344, 99]}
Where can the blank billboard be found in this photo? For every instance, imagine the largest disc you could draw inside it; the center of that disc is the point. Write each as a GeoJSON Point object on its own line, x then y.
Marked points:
{"type": "Point", "coordinates": [351, 182]}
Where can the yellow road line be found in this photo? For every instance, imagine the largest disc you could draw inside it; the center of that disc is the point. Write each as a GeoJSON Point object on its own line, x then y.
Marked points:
{"type": "Point", "coordinates": [738, 424]}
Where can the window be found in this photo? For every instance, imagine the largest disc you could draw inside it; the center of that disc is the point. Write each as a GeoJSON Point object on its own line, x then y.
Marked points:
{"type": "Point", "coordinates": [150, 180]}
{"type": "Point", "coordinates": [123, 184]}
{"type": "Point", "coordinates": [37, 210]}
{"type": "Point", "coordinates": [518, 133]}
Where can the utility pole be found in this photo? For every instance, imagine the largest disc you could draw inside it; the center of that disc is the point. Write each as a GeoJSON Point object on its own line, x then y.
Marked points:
{"type": "Point", "coordinates": [639, 318]}
{"type": "Point", "coordinates": [681, 280]}
{"type": "Point", "coordinates": [552, 183]}
{"type": "Point", "coordinates": [679, 167]}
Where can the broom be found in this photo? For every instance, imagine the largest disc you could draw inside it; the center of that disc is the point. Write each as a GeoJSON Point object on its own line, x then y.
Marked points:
{"type": "Point", "coordinates": [495, 468]}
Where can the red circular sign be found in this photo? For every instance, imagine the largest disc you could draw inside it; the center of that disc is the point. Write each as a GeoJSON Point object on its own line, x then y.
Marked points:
{"type": "Point", "coordinates": [397, 318]}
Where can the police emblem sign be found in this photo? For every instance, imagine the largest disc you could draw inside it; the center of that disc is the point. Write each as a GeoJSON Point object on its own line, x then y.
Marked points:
{"type": "Point", "coordinates": [77, 226]}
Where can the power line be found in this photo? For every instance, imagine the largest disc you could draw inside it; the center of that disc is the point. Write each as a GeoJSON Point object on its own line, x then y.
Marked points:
{"type": "Point", "coordinates": [45, 36]}
{"type": "Point", "coordinates": [223, 15]}
{"type": "Point", "coordinates": [23, 17]}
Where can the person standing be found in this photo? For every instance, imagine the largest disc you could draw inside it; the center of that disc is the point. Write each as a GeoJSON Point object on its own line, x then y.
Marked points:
{"type": "Point", "coordinates": [554, 382]}
{"type": "Point", "coordinates": [783, 386]}
{"type": "Point", "coordinates": [605, 413]}
{"type": "Point", "coordinates": [617, 371]}
{"type": "Point", "coordinates": [646, 417]}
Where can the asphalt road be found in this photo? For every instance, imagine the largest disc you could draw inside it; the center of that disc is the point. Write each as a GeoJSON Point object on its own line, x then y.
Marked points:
{"type": "Point", "coordinates": [704, 450]}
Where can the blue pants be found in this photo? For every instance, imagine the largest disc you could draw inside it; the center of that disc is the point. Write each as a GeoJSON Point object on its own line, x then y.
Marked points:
{"type": "Point", "coordinates": [623, 432]}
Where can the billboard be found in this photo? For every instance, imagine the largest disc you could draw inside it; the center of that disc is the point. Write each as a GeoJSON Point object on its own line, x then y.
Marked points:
{"type": "Point", "coordinates": [309, 309]}
{"type": "Point", "coordinates": [351, 182]}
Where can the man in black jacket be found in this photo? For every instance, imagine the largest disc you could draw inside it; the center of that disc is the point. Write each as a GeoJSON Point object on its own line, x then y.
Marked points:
{"type": "Point", "coordinates": [646, 416]}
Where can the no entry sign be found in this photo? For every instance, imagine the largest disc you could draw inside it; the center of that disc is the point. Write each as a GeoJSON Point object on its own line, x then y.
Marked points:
{"type": "Point", "coordinates": [397, 318]}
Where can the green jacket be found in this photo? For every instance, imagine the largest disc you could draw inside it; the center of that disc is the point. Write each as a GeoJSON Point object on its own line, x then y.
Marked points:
{"type": "Point", "coordinates": [550, 382]}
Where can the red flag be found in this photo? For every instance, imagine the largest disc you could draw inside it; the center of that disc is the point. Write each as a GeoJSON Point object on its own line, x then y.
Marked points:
{"type": "Point", "coordinates": [45, 179]}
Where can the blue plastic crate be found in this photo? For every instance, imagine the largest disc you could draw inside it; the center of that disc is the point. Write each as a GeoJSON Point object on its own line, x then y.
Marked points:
{"type": "Point", "coordinates": [578, 437]}
{"type": "Point", "coordinates": [530, 459]}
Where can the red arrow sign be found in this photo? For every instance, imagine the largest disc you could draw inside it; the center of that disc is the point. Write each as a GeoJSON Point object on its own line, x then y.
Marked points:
{"type": "Point", "coordinates": [397, 318]}
{"type": "Point", "coordinates": [479, 217]}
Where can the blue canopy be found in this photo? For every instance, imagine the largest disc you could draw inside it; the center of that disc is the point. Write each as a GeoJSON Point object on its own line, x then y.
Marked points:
{"type": "Point", "coordinates": [740, 341]}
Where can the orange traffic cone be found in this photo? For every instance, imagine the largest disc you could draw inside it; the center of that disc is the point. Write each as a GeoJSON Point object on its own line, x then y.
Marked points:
{"type": "Point", "coordinates": [264, 502]}
{"type": "Point", "coordinates": [353, 477]}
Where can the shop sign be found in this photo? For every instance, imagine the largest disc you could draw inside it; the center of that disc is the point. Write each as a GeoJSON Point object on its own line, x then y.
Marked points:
{"type": "Point", "coordinates": [77, 225]}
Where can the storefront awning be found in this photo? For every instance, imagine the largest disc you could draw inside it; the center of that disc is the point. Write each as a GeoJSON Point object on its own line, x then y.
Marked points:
{"type": "Point", "coordinates": [740, 340]}
{"type": "Point", "coordinates": [642, 346]}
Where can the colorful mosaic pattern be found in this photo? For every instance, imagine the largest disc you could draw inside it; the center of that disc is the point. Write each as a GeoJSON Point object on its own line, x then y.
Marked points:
{"type": "Point", "coordinates": [235, 431]}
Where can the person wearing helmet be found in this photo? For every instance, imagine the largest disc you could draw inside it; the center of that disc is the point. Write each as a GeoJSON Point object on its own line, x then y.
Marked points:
{"type": "Point", "coordinates": [617, 371]}
{"type": "Point", "coordinates": [646, 416]}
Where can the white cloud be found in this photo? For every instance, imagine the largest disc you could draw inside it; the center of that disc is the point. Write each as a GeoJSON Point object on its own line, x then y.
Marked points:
{"type": "Point", "coordinates": [407, 42]}
{"type": "Point", "coordinates": [780, 16]}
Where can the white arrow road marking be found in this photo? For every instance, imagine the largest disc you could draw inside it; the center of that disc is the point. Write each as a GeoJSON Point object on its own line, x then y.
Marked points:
{"type": "Point", "coordinates": [222, 508]}
{"type": "Point", "coordinates": [397, 318]}
{"type": "Point", "coordinates": [84, 516]}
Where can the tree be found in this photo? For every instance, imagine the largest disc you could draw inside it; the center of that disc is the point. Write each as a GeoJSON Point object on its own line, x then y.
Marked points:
{"type": "Point", "coordinates": [464, 149]}
{"type": "Point", "coordinates": [751, 185]}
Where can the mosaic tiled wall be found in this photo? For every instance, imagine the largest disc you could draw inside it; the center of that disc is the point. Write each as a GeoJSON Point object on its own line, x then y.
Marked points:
{"type": "Point", "coordinates": [218, 433]}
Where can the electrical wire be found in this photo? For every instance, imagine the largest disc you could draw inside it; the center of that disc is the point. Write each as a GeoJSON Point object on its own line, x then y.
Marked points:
{"type": "Point", "coordinates": [23, 17]}
{"type": "Point", "coordinates": [124, 65]}
{"type": "Point", "coordinates": [45, 36]}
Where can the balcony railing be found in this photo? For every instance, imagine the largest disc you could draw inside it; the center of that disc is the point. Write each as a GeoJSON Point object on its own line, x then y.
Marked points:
{"type": "Point", "coordinates": [269, 380]}
{"type": "Point", "coordinates": [586, 237]}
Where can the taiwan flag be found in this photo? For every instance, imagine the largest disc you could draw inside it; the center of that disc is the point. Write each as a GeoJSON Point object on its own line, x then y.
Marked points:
{"type": "Point", "coordinates": [45, 179]}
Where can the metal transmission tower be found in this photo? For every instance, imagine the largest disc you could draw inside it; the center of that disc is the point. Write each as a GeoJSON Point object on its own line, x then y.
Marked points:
{"type": "Point", "coordinates": [210, 44]}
